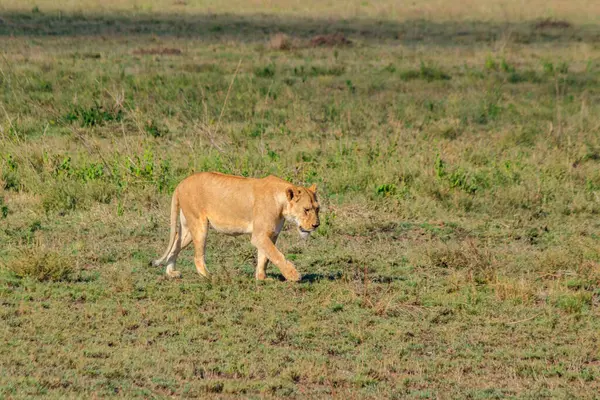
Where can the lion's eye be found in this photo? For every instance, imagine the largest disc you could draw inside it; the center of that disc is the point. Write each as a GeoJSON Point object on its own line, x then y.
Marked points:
{"type": "Point", "coordinates": [306, 210]}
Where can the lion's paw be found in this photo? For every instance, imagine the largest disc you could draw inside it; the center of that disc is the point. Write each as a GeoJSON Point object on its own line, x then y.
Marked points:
{"type": "Point", "coordinates": [291, 274]}
{"type": "Point", "coordinates": [174, 274]}
{"type": "Point", "coordinates": [261, 277]}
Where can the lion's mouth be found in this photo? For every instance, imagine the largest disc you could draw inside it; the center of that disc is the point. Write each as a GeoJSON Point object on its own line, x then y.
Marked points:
{"type": "Point", "coordinates": [304, 233]}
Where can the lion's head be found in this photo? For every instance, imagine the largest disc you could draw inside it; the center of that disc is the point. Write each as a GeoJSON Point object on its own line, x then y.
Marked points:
{"type": "Point", "coordinates": [303, 208]}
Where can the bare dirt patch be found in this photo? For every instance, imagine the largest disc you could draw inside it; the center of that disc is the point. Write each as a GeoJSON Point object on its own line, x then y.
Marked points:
{"type": "Point", "coordinates": [549, 23]}
{"type": "Point", "coordinates": [331, 40]}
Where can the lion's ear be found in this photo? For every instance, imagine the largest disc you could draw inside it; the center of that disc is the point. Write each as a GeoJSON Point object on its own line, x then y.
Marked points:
{"type": "Point", "coordinates": [289, 192]}
{"type": "Point", "coordinates": [313, 188]}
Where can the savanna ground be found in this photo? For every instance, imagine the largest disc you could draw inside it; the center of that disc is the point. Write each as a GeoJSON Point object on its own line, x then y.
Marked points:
{"type": "Point", "coordinates": [455, 146]}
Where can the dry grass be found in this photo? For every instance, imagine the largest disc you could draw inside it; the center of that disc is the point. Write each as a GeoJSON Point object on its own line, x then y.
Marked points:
{"type": "Point", "coordinates": [473, 257]}
{"type": "Point", "coordinates": [281, 41]}
{"type": "Point", "coordinates": [42, 264]}
{"type": "Point", "coordinates": [576, 11]}
{"type": "Point", "coordinates": [332, 40]}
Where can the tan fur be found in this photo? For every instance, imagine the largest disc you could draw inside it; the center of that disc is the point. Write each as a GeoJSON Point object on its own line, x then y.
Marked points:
{"type": "Point", "coordinates": [235, 205]}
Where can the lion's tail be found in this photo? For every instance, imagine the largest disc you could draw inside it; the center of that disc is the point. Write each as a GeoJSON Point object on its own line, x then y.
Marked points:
{"type": "Point", "coordinates": [173, 235]}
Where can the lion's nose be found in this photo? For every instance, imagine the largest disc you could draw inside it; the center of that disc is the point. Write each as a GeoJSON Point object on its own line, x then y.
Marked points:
{"type": "Point", "coordinates": [316, 225]}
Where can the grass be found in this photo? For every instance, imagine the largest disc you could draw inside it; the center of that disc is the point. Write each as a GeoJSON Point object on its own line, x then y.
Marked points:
{"type": "Point", "coordinates": [456, 150]}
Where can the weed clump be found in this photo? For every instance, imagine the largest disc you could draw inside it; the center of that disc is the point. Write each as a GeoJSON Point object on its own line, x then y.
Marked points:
{"type": "Point", "coordinates": [467, 256]}
{"type": "Point", "coordinates": [97, 115]}
{"type": "Point", "coordinates": [426, 73]}
{"type": "Point", "coordinates": [265, 72]}
{"type": "Point", "coordinates": [9, 178]}
{"type": "Point", "coordinates": [62, 198]}
{"type": "Point", "coordinates": [387, 189]}
{"type": "Point", "coordinates": [42, 264]}
{"type": "Point", "coordinates": [317, 70]}
{"type": "Point", "coordinates": [3, 209]}
{"type": "Point", "coordinates": [459, 178]}
{"type": "Point", "coordinates": [154, 129]}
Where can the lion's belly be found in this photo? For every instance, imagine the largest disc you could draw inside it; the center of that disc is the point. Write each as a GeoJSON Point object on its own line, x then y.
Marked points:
{"type": "Point", "coordinates": [230, 227]}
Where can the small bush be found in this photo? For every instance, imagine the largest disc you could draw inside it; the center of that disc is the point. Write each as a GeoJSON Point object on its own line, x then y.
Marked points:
{"type": "Point", "coordinates": [42, 264]}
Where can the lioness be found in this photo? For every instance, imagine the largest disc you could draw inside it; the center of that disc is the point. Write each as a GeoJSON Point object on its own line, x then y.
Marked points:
{"type": "Point", "coordinates": [235, 205]}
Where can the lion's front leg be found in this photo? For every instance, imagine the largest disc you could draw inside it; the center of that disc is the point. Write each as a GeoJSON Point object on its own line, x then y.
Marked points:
{"type": "Point", "coordinates": [263, 261]}
{"type": "Point", "coordinates": [265, 245]}
{"type": "Point", "coordinates": [199, 232]}
{"type": "Point", "coordinates": [261, 266]}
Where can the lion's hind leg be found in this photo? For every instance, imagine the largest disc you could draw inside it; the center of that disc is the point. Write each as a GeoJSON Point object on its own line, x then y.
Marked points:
{"type": "Point", "coordinates": [183, 238]}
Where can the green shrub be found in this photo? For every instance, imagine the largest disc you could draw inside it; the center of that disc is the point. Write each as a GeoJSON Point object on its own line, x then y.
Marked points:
{"type": "Point", "coordinates": [10, 176]}
{"type": "Point", "coordinates": [388, 189]}
{"type": "Point", "coordinates": [265, 72]}
{"type": "Point", "coordinates": [95, 115]}
{"type": "Point", "coordinates": [490, 64]}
